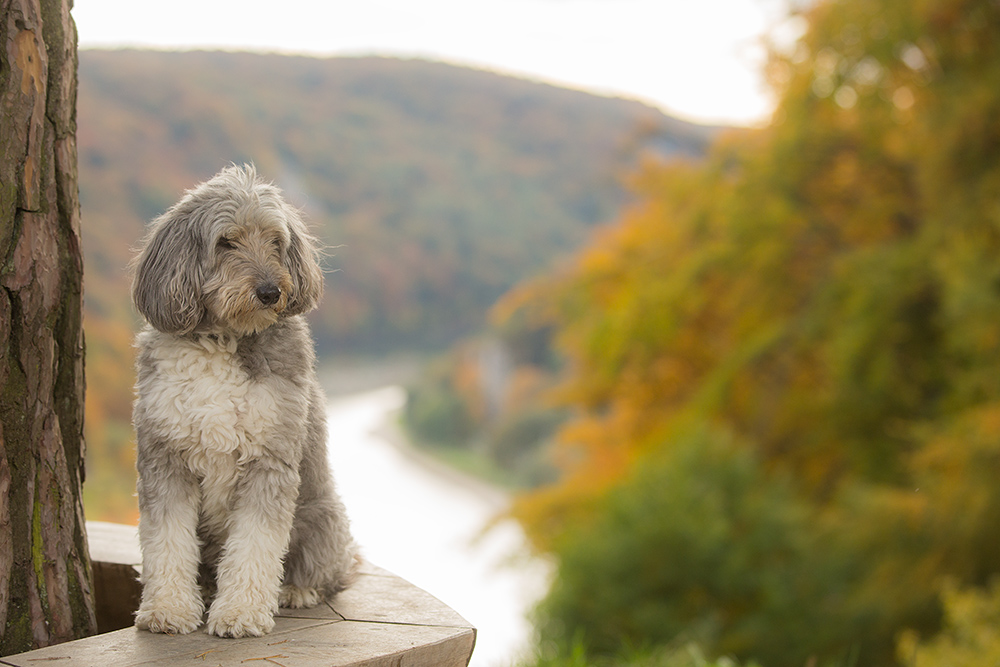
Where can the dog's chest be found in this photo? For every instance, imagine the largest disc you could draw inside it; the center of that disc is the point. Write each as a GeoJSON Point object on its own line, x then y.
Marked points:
{"type": "Point", "coordinates": [210, 407]}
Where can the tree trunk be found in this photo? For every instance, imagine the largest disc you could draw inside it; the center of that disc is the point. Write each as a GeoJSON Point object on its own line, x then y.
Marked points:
{"type": "Point", "coordinates": [45, 576]}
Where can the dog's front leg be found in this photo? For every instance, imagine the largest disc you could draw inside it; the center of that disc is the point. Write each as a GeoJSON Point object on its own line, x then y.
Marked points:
{"type": "Point", "coordinates": [169, 500]}
{"type": "Point", "coordinates": [250, 570]}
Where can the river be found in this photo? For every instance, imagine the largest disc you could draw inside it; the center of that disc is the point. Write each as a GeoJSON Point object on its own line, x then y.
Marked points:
{"type": "Point", "coordinates": [433, 526]}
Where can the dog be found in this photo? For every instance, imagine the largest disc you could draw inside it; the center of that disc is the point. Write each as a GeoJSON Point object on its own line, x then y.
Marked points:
{"type": "Point", "coordinates": [236, 501]}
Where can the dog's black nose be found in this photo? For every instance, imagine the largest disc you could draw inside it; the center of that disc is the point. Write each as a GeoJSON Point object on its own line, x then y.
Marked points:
{"type": "Point", "coordinates": [268, 294]}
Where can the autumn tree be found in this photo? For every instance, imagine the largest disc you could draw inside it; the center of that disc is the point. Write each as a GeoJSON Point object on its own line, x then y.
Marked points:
{"type": "Point", "coordinates": [821, 296]}
{"type": "Point", "coordinates": [45, 575]}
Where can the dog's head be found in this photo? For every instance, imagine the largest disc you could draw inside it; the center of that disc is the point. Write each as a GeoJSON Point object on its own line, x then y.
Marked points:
{"type": "Point", "coordinates": [230, 257]}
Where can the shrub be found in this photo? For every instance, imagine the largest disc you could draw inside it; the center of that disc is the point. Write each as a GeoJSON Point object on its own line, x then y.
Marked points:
{"type": "Point", "coordinates": [703, 546]}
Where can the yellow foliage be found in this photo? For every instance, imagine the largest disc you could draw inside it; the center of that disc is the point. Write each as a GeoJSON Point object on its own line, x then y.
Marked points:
{"type": "Point", "coordinates": [971, 634]}
{"type": "Point", "coordinates": [824, 289]}
{"type": "Point", "coordinates": [815, 284]}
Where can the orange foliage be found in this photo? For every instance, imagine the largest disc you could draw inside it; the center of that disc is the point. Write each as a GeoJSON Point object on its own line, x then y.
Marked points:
{"type": "Point", "coordinates": [813, 285]}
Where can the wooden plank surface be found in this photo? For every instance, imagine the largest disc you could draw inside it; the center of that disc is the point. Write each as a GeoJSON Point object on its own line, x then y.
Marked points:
{"type": "Point", "coordinates": [294, 642]}
{"type": "Point", "coordinates": [381, 621]}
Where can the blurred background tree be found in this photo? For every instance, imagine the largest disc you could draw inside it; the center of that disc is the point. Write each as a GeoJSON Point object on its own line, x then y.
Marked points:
{"type": "Point", "coordinates": [822, 297]}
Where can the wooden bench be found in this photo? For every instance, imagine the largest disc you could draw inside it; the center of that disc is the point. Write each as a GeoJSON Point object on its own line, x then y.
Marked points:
{"type": "Point", "coordinates": [381, 621]}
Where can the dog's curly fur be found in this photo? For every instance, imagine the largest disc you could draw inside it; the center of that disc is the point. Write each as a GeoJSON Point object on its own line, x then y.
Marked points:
{"type": "Point", "coordinates": [236, 499]}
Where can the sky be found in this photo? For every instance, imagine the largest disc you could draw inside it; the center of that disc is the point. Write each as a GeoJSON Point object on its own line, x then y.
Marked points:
{"type": "Point", "coordinates": [699, 60]}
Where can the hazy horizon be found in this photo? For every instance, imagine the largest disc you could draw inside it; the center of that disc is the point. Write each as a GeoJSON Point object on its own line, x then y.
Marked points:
{"type": "Point", "coordinates": [700, 62]}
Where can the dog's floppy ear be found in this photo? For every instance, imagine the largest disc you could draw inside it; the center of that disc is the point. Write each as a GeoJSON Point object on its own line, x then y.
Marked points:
{"type": "Point", "coordinates": [303, 264]}
{"type": "Point", "coordinates": [167, 274]}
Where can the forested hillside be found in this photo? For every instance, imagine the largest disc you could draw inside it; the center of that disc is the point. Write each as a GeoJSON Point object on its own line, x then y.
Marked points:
{"type": "Point", "coordinates": [435, 187]}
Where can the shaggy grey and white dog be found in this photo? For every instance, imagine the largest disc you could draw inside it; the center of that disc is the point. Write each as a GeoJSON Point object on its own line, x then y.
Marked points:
{"type": "Point", "coordinates": [235, 493]}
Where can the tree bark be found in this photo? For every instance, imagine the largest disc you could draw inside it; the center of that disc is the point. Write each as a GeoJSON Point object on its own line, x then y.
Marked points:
{"type": "Point", "coordinates": [45, 574]}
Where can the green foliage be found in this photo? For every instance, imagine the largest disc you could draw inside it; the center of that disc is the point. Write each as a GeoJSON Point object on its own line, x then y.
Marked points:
{"type": "Point", "coordinates": [435, 414]}
{"type": "Point", "coordinates": [971, 633]}
{"type": "Point", "coordinates": [516, 442]}
{"type": "Point", "coordinates": [453, 410]}
{"type": "Point", "coordinates": [689, 655]}
{"type": "Point", "coordinates": [822, 295]}
{"type": "Point", "coordinates": [700, 545]}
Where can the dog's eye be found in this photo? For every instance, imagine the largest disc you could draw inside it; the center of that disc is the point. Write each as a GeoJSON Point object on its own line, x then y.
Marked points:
{"type": "Point", "coordinates": [225, 244]}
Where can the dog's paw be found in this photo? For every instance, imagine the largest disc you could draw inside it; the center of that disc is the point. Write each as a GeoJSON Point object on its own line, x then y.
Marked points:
{"type": "Point", "coordinates": [170, 616]}
{"type": "Point", "coordinates": [297, 597]}
{"type": "Point", "coordinates": [235, 620]}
